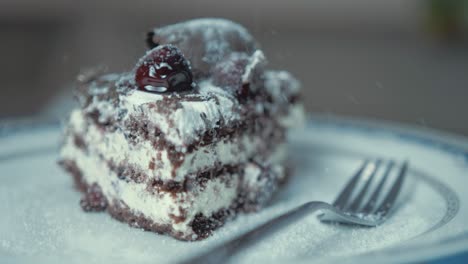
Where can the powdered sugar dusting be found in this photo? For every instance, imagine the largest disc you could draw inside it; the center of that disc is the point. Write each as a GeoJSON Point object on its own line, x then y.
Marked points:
{"type": "Point", "coordinates": [44, 223]}
{"type": "Point", "coordinates": [206, 41]}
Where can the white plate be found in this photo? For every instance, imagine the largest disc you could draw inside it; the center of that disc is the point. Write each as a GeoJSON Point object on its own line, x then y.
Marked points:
{"type": "Point", "coordinates": [41, 220]}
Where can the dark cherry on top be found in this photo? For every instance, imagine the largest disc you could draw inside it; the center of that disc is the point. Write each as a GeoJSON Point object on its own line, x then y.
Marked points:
{"type": "Point", "coordinates": [163, 69]}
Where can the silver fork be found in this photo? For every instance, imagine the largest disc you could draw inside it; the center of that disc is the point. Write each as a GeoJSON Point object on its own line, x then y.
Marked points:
{"type": "Point", "coordinates": [369, 205]}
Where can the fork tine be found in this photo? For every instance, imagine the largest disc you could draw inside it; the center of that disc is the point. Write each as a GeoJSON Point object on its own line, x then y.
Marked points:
{"type": "Point", "coordinates": [387, 204]}
{"type": "Point", "coordinates": [362, 193]}
{"type": "Point", "coordinates": [342, 199]}
{"type": "Point", "coordinates": [371, 203]}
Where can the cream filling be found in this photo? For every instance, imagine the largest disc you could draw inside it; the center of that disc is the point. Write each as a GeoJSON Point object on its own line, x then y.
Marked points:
{"type": "Point", "coordinates": [159, 207]}
{"type": "Point", "coordinates": [115, 147]}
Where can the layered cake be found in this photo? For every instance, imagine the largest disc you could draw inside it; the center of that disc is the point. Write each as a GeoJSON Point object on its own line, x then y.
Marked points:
{"type": "Point", "coordinates": [194, 134]}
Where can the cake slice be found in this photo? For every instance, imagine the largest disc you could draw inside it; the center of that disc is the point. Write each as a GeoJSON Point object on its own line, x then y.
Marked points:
{"type": "Point", "coordinates": [193, 135]}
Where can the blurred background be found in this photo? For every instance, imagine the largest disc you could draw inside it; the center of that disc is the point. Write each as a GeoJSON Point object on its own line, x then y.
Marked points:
{"type": "Point", "coordinates": [399, 60]}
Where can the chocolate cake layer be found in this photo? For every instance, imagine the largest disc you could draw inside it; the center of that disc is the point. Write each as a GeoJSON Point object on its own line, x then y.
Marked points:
{"type": "Point", "coordinates": [194, 134]}
{"type": "Point", "coordinates": [168, 164]}
{"type": "Point", "coordinates": [201, 225]}
{"type": "Point", "coordinates": [244, 188]}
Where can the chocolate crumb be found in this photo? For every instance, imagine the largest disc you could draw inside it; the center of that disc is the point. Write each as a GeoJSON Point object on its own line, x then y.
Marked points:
{"type": "Point", "coordinates": [93, 200]}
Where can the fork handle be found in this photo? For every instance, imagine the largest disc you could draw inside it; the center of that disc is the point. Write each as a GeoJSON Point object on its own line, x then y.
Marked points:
{"type": "Point", "coordinates": [220, 253]}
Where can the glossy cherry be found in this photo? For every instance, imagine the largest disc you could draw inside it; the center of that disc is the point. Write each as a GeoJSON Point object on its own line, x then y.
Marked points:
{"type": "Point", "coordinates": [163, 69]}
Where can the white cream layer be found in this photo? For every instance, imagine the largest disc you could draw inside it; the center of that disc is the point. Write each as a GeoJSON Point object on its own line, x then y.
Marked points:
{"type": "Point", "coordinates": [115, 147]}
{"type": "Point", "coordinates": [214, 196]}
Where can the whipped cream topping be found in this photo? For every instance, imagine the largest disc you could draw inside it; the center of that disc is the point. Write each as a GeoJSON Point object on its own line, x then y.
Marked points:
{"type": "Point", "coordinates": [190, 119]}
{"type": "Point", "coordinates": [186, 122]}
